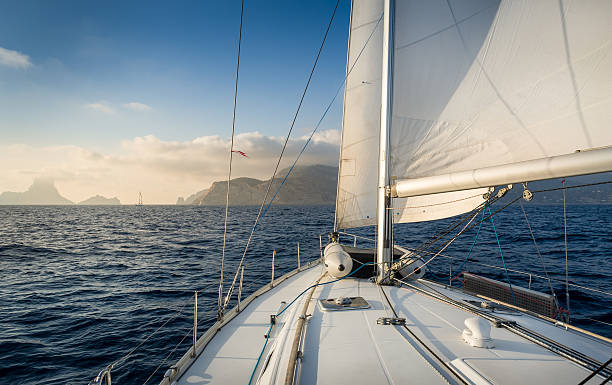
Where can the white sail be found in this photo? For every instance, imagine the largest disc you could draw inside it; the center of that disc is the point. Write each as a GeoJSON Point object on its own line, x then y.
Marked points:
{"type": "Point", "coordinates": [357, 177]}
{"type": "Point", "coordinates": [358, 174]}
{"type": "Point", "coordinates": [476, 84]}
{"type": "Point", "coordinates": [488, 83]}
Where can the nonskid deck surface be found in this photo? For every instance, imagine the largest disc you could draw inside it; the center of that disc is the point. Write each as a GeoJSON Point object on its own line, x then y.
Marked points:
{"type": "Point", "coordinates": [350, 347]}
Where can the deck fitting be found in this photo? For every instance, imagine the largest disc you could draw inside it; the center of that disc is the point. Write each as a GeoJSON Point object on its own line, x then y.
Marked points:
{"type": "Point", "coordinates": [391, 321]}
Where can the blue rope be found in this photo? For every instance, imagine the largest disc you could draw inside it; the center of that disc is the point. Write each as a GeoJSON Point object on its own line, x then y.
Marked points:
{"type": "Point", "coordinates": [291, 303]}
{"type": "Point", "coordinates": [502, 256]}
{"type": "Point", "coordinates": [473, 243]}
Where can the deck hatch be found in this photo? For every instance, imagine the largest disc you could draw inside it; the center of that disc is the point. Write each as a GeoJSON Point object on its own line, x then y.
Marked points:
{"type": "Point", "coordinates": [334, 304]}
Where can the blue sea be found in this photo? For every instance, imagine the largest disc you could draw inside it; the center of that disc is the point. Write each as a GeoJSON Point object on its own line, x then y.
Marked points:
{"type": "Point", "coordinates": [81, 287]}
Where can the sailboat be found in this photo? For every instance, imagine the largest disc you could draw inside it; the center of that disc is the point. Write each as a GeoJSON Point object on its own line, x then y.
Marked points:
{"type": "Point", "coordinates": [462, 99]}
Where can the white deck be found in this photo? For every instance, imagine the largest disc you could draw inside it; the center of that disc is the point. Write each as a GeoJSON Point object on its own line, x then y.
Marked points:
{"type": "Point", "coordinates": [350, 347]}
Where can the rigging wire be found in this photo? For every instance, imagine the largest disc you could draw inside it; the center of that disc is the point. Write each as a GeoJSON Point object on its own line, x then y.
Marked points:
{"type": "Point", "coordinates": [122, 360]}
{"type": "Point", "coordinates": [469, 251]}
{"type": "Point", "coordinates": [441, 234]}
{"type": "Point", "coordinates": [552, 291]}
{"type": "Point", "coordinates": [497, 267]}
{"type": "Point", "coordinates": [567, 297]}
{"type": "Point", "coordinates": [570, 187]}
{"type": "Point", "coordinates": [116, 364]}
{"type": "Point", "coordinates": [451, 227]}
{"type": "Point", "coordinates": [262, 214]}
{"type": "Point", "coordinates": [442, 249]}
{"type": "Point", "coordinates": [502, 258]}
{"type": "Point", "coordinates": [168, 356]}
{"type": "Point", "coordinates": [436, 237]}
{"type": "Point", "coordinates": [229, 173]}
{"type": "Point", "coordinates": [427, 244]}
{"type": "Point", "coordinates": [284, 146]}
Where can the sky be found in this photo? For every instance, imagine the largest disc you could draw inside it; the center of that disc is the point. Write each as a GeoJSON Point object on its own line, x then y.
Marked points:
{"type": "Point", "coordinates": [119, 97]}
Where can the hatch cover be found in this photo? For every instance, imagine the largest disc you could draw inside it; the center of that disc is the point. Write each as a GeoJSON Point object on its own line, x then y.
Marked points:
{"type": "Point", "coordinates": [343, 303]}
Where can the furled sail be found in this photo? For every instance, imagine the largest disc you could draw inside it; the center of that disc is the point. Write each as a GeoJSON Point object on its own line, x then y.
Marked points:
{"type": "Point", "coordinates": [486, 83]}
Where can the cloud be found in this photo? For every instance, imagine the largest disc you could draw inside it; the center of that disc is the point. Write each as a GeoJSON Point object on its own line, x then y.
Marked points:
{"type": "Point", "coordinates": [138, 107]}
{"type": "Point", "coordinates": [100, 107]}
{"type": "Point", "coordinates": [14, 59]}
{"type": "Point", "coordinates": [162, 170]}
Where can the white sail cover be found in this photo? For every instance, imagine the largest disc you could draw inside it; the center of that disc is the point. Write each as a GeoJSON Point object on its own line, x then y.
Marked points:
{"type": "Point", "coordinates": [480, 83]}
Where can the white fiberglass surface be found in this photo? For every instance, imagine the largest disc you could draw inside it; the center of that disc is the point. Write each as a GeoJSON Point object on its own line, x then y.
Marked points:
{"type": "Point", "coordinates": [590, 346]}
{"type": "Point", "coordinates": [230, 356]}
{"type": "Point", "coordinates": [512, 360]}
{"type": "Point", "coordinates": [349, 346]}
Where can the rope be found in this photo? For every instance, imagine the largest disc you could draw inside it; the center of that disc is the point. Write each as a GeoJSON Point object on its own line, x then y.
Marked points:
{"type": "Point", "coordinates": [291, 303]}
{"type": "Point", "coordinates": [434, 204]}
{"type": "Point", "coordinates": [442, 233]}
{"type": "Point", "coordinates": [569, 187]}
{"type": "Point", "coordinates": [596, 320]}
{"type": "Point", "coordinates": [502, 258]}
{"type": "Point", "coordinates": [436, 237]}
{"type": "Point", "coordinates": [552, 291]}
{"type": "Point", "coordinates": [469, 251]}
{"type": "Point", "coordinates": [423, 247]}
{"type": "Point", "coordinates": [262, 214]}
{"type": "Point", "coordinates": [442, 249]}
{"type": "Point", "coordinates": [229, 173]}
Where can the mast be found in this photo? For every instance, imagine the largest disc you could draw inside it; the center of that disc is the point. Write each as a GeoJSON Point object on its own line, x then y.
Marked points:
{"type": "Point", "coordinates": [384, 221]}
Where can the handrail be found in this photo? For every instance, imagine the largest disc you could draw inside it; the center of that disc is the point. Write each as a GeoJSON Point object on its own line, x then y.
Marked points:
{"type": "Point", "coordinates": [295, 354]}
{"type": "Point", "coordinates": [187, 360]}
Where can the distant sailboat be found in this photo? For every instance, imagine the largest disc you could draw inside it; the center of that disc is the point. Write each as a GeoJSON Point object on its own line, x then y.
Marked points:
{"type": "Point", "coordinates": [139, 199]}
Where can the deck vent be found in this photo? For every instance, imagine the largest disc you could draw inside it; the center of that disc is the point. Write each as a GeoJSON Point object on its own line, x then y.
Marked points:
{"type": "Point", "coordinates": [531, 300]}
{"type": "Point", "coordinates": [477, 333]}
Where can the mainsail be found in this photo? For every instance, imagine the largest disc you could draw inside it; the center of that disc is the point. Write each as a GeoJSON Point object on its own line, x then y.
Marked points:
{"type": "Point", "coordinates": [477, 84]}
